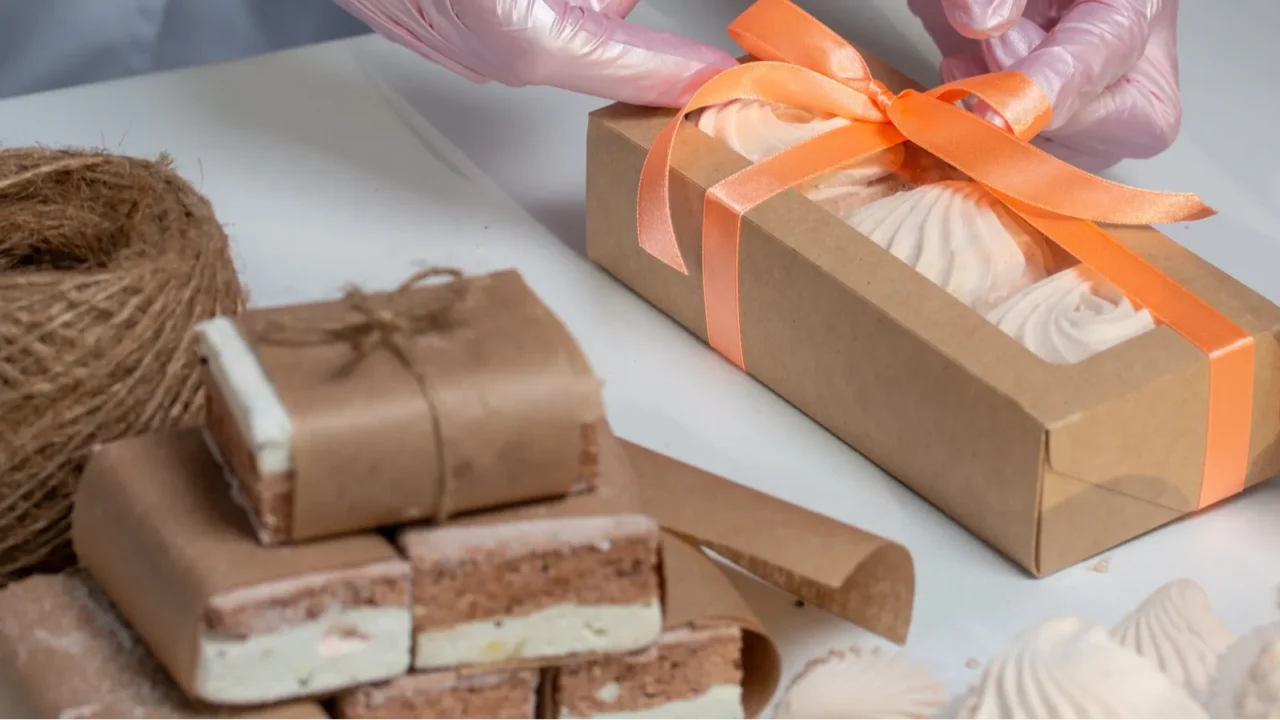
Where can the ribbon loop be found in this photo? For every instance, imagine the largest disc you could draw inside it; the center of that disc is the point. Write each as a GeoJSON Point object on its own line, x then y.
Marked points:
{"type": "Point", "coordinates": [1020, 102]}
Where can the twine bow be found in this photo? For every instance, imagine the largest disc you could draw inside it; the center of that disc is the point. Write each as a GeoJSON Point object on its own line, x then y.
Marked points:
{"type": "Point", "coordinates": [390, 321]}
{"type": "Point", "coordinates": [802, 63]}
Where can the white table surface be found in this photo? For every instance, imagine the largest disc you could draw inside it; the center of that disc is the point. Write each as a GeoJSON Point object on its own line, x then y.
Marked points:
{"type": "Point", "coordinates": [352, 161]}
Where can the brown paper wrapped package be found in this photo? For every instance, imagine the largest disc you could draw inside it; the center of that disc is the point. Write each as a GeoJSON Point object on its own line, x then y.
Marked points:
{"type": "Point", "coordinates": [715, 658]}
{"type": "Point", "coordinates": [234, 623]}
{"type": "Point", "coordinates": [446, 694]}
{"type": "Point", "coordinates": [863, 578]}
{"type": "Point", "coordinates": [561, 578]}
{"type": "Point", "coordinates": [65, 653]}
{"type": "Point", "coordinates": [321, 444]}
{"type": "Point", "coordinates": [1049, 464]}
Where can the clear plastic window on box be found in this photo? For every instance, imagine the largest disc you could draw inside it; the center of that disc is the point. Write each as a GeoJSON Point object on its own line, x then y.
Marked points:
{"type": "Point", "coordinates": [951, 230]}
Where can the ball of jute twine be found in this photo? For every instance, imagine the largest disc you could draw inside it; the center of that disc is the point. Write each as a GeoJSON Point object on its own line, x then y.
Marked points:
{"type": "Point", "coordinates": [106, 262]}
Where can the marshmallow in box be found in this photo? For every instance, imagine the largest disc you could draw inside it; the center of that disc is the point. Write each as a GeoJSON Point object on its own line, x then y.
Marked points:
{"type": "Point", "coordinates": [1004, 334]}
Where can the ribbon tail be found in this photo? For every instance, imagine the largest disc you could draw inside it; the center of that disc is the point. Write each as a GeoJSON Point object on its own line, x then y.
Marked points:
{"type": "Point", "coordinates": [1029, 175]}
{"type": "Point", "coordinates": [654, 226]}
{"type": "Point", "coordinates": [731, 198]}
{"type": "Point", "coordinates": [777, 82]}
{"type": "Point", "coordinates": [1229, 347]}
{"type": "Point", "coordinates": [1014, 96]}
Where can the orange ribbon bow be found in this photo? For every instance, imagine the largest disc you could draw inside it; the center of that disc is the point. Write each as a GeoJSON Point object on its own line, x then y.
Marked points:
{"type": "Point", "coordinates": [803, 63]}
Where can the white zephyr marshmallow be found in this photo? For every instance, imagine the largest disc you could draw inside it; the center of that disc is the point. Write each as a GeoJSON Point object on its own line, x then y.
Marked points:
{"type": "Point", "coordinates": [1247, 684]}
{"type": "Point", "coordinates": [259, 413]}
{"type": "Point", "coordinates": [1070, 316]}
{"type": "Point", "coordinates": [860, 683]}
{"type": "Point", "coordinates": [757, 129]}
{"type": "Point", "coordinates": [959, 236]}
{"type": "Point", "coordinates": [1176, 629]}
{"type": "Point", "coordinates": [1071, 668]}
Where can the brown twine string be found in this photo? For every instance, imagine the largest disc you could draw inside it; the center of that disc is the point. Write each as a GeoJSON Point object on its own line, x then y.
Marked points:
{"type": "Point", "coordinates": [105, 264]}
{"type": "Point", "coordinates": [390, 322]}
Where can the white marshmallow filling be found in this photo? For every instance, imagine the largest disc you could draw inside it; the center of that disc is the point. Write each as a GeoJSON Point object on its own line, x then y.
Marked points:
{"type": "Point", "coordinates": [260, 415]}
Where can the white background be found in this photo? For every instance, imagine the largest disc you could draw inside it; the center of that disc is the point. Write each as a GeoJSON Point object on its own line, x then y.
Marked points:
{"type": "Point", "coordinates": [354, 160]}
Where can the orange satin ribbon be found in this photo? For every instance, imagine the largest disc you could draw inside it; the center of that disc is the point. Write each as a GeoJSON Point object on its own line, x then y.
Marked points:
{"type": "Point", "coordinates": [805, 64]}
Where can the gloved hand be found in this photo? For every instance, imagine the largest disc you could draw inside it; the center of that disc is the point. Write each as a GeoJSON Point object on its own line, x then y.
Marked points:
{"type": "Point", "coordinates": [582, 45]}
{"type": "Point", "coordinates": [1110, 67]}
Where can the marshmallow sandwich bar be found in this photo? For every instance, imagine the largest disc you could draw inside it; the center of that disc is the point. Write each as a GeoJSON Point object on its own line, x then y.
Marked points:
{"type": "Point", "coordinates": [714, 659]}
{"type": "Point", "coordinates": [692, 672]}
{"type": "Point", "coordinates": [234, 623]}
{"type": "Point", "coordinates": [547, 580]}
{"type": "Point", "coordinates": [495, 406]}
{"type": "Point", "coordinates": [65, 653]}
{"type": "Point", "coordinates": [446, 694]}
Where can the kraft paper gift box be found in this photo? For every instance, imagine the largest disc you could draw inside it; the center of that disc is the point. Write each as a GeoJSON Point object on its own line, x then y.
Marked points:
{"type": "Point", "coordinates": [1048, 463]}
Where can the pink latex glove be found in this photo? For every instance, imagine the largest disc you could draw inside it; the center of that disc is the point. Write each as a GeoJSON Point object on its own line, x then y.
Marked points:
{"type": "Point", "coordinates": [582, 45]}
{"type": "Point", "coordinates": [1110, 67]}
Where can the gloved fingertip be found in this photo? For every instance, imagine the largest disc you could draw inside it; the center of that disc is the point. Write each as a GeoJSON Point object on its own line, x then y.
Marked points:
{"type": "Point", "coordinates": [959, 67]}
{"type": "Point", "coordinates": [701, 54]}
{"type": "Point", "coordinates": [982, 19]}
{"type": "Point", "coordinates": [679, 93]}
{"type": "Point", "coordinates": [1014, 45]}
{"type": "Point", "coordinates": [985, 112]}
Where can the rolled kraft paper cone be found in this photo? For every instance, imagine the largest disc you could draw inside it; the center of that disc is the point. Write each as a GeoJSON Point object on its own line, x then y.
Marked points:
{"type": "Point", "coordinates": [323, 440]}
{"type": "Point", "coordinates": [714, 658]}
{"type": "Point", "coordinates": [542, 581]}
{"type": "Point", "coordinates": [863, 578]}
{"type": "Point", "coordinates": [65, 653]}
{"type": "Point", "coordinates": [445, 694]}
{"type": "Point", "coordinates": [234, 622]}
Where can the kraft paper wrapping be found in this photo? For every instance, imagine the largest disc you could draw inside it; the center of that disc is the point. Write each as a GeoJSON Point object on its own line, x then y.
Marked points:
{"type": "Point", "coordinates": [65, 653]}
{"type": "Point", "coordinates": [513, 393]}
{"type": "Point", "coordinates": [615, 493]}
{"type": "Point", "coordinates": [155, 526]}
{"type": "Point", "coordinates": [856, 575]}
{"type": "Point", "coordinates": [697, 592]}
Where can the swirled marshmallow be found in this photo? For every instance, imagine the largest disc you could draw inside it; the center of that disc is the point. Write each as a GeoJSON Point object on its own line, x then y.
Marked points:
{"type": "Point", "coordinates": [1070, 316]}
{"type": "Point", "coordinates": [959, 236]}
{"type": "Point", "coordinates": [1177, 630]}
{"type": "Point", "coordinates": [757, 129]}
{"type": "Point", "coordinates": [1247, 681]}
{"type": "Point", "coordinates": [1069, 668]}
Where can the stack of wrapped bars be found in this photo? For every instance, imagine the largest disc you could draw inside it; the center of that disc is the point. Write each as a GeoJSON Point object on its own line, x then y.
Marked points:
{"type": "Point", "coordinates": [401, 505]}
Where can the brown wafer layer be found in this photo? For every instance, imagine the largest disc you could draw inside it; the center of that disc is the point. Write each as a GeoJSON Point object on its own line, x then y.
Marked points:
{"type": "Point", "coordinates": [257, 610]}
{"type": "Point", "coordinates": [445, 694]}
{"type": "Point", "coordinates": [64, 652]}
{"type": "Point", "coordinates": [590, 558]}
{"type": "Point", "coordinates": [685, 664]}
{"type": "Point", "coordinates": [266, 497]}
{"type": "Point", "coordinates": [613, 561]}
